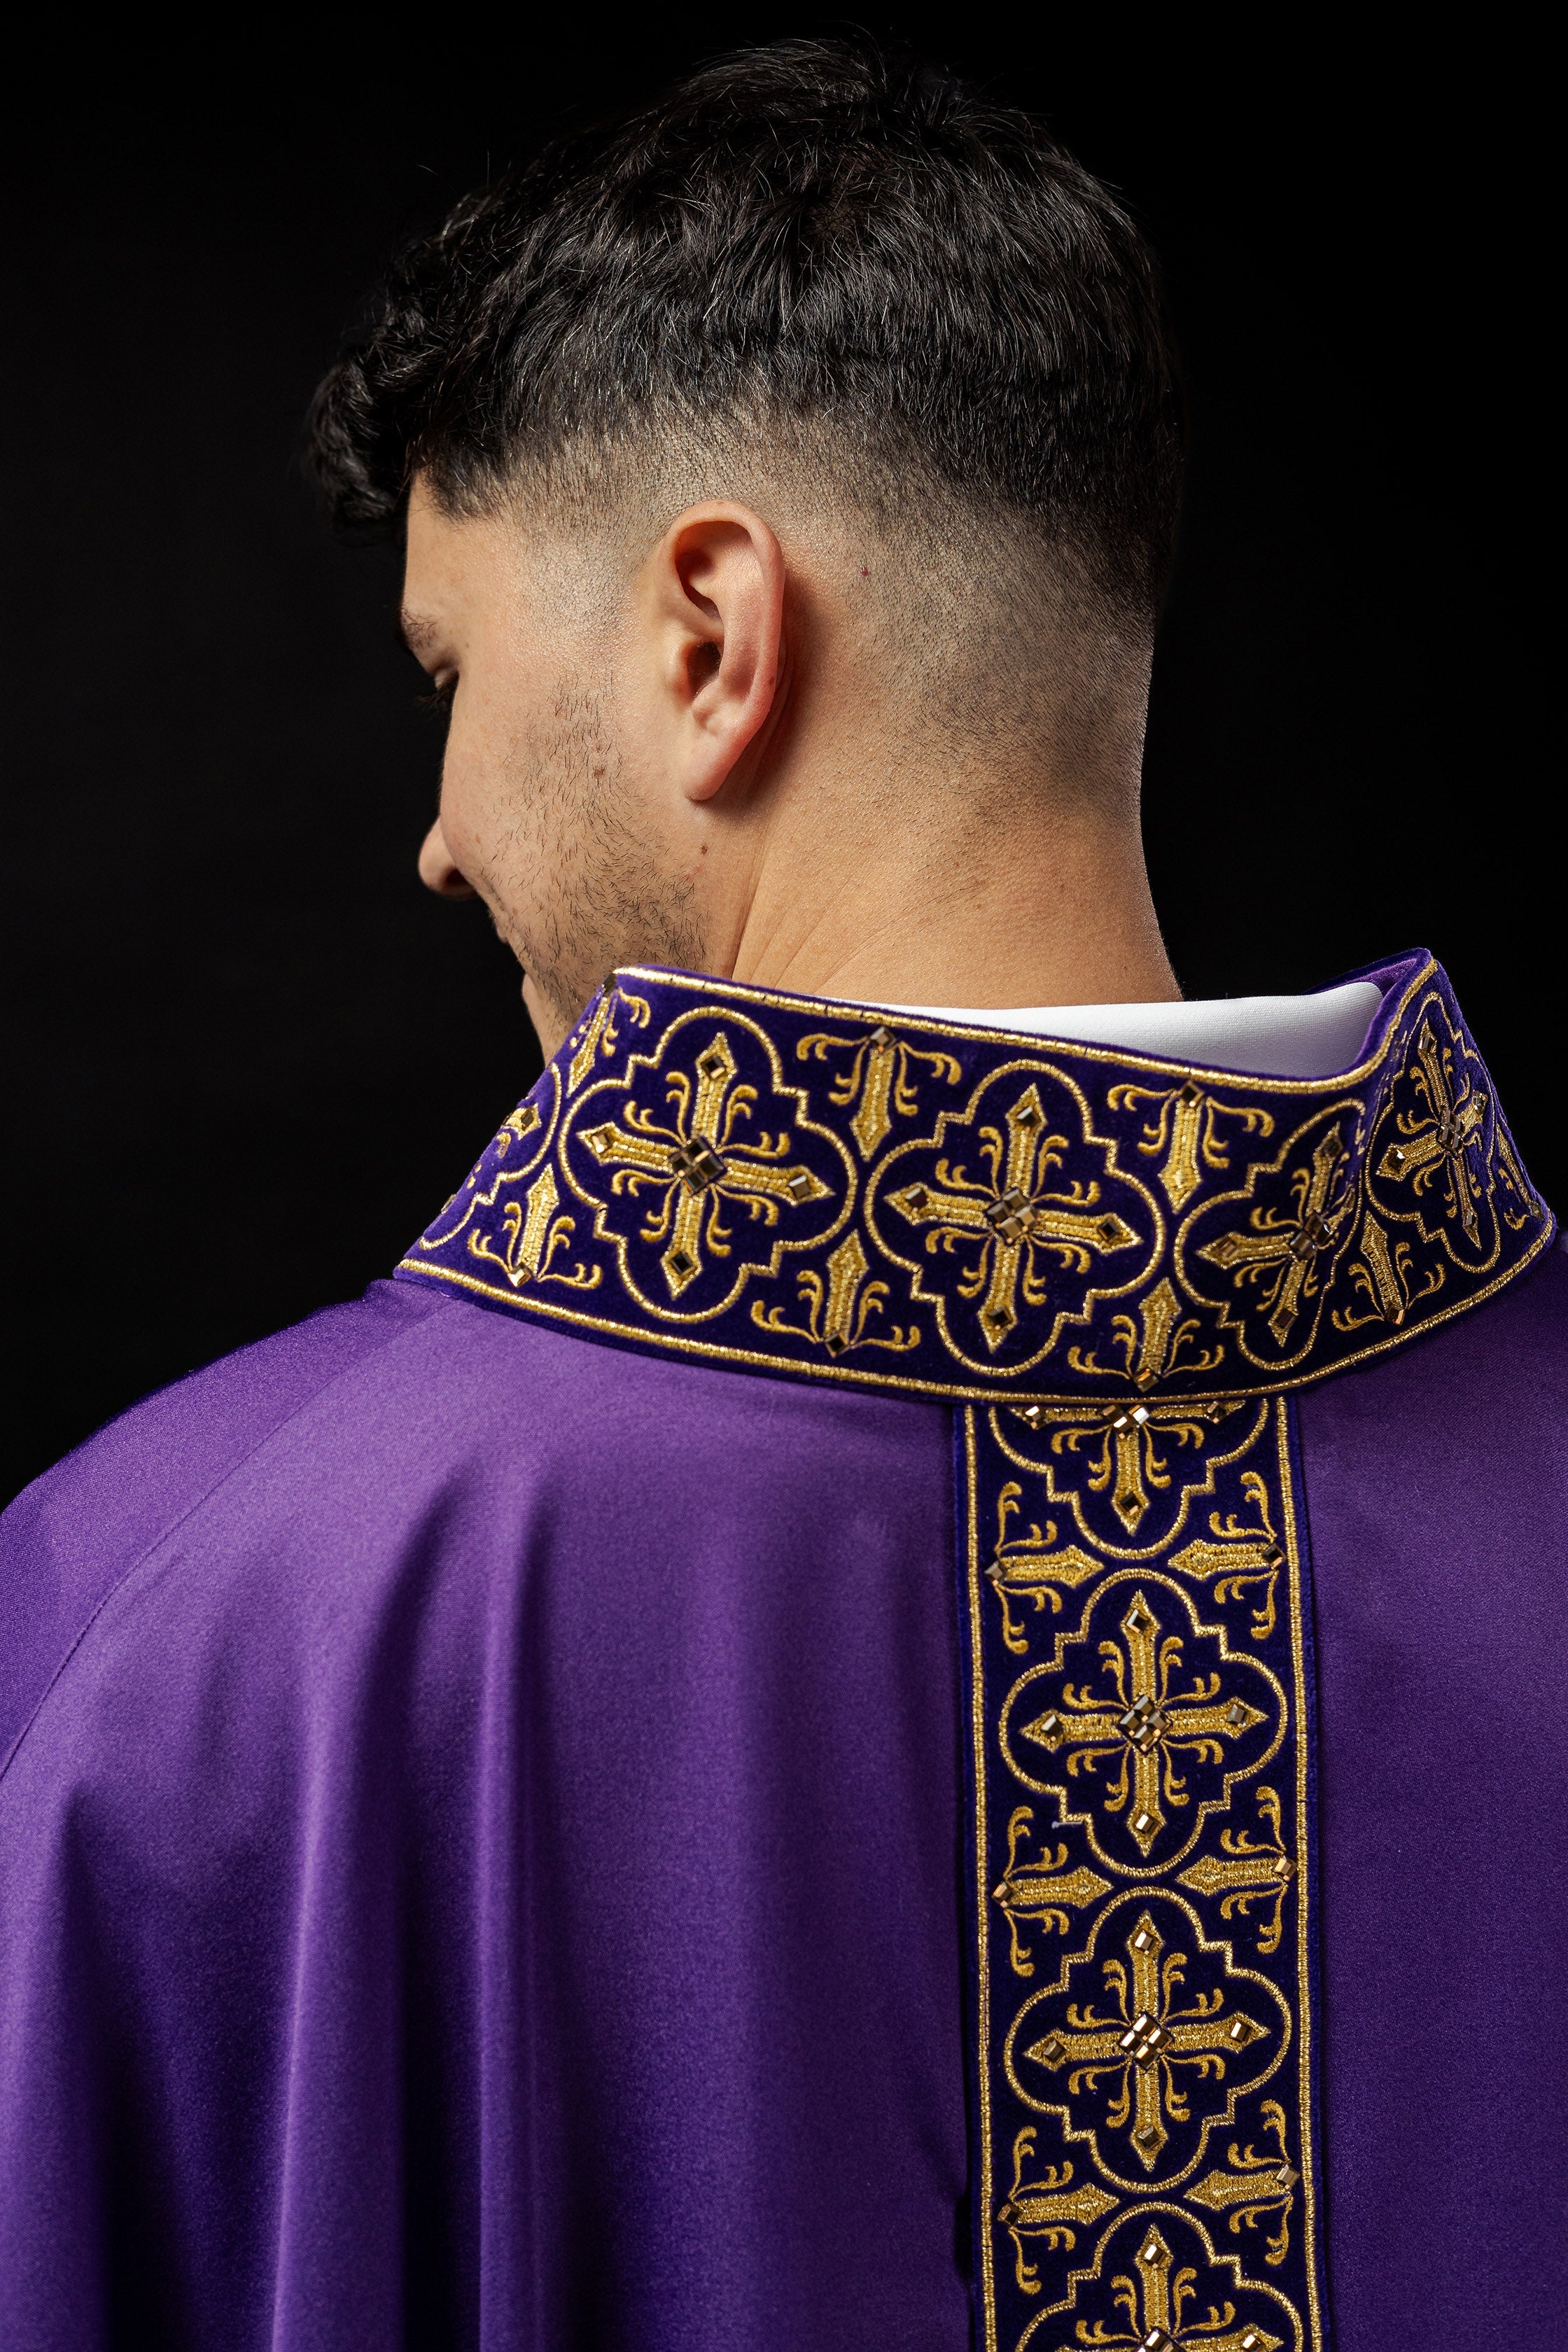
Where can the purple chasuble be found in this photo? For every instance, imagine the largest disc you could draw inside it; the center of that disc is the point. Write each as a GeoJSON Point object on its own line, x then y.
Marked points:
{"type": "Point", "coordinates": [903, 1694]}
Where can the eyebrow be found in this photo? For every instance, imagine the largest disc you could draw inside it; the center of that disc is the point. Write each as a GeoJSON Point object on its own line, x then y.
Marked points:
{"type": "Point", "coordinates": [417, 632]}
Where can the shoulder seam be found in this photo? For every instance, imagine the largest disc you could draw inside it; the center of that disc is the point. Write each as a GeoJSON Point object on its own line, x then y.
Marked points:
{"type": "Point", "coordinates": [149, 1551]}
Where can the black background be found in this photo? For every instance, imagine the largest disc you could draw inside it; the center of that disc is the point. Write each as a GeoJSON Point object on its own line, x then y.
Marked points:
{"type": "Point", "coordinates": [249, 1056]}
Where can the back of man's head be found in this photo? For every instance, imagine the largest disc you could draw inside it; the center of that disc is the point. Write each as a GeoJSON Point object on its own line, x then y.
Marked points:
{"type": "Point", "coordinates": [839, 265]}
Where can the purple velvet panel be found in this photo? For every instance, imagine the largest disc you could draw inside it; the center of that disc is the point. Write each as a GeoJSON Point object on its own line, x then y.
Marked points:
{"type": "Point", "coordinates": [1437, 1493]}
{"type": "Point", "coordinates": [488, 1875]}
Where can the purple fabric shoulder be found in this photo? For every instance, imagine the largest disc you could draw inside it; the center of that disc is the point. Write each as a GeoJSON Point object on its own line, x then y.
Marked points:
{"type": "Point", "coordinates": [67, 1539]}
{"type": "Point", "coordinates": [488, 1873]}
{"type": "Point", "coordinates": [1437, 1489]}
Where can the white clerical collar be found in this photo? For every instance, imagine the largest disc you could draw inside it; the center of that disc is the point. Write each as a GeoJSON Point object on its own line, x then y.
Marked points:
{"type": "Point", "coordinates": [1271, 1037]}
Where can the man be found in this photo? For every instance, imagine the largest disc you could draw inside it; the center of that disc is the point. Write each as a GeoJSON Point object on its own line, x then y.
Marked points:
{"type": "Point", "coordinates": [904, 1690]}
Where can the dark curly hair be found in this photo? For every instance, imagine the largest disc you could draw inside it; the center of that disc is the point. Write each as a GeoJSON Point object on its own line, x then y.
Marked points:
{"type": "Point", "coordinates": [821, 241]}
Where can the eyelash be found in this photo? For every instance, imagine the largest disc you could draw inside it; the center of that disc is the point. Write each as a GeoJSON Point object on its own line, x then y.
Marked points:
{"type": "Point", "coordinates": [438, 699]}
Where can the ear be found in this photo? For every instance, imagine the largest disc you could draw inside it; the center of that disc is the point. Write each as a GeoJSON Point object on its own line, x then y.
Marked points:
{"type": "Point", "coordinates": [715, 598]}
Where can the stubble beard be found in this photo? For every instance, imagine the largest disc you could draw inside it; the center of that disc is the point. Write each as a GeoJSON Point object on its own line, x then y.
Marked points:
{"type": "Point", "coordinates": [592, 895]}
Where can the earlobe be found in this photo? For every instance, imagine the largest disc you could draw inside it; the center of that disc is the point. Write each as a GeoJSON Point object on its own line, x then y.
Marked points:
{"type": "Point", "coordinates": [722, 581]}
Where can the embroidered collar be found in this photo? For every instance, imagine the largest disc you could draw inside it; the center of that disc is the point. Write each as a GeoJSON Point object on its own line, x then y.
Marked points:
{"type": "Point", "coordinates": [790, 1184]}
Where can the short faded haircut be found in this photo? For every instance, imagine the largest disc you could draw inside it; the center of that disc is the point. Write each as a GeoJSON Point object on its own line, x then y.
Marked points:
{"type": "Point", "coordinates": [823, 250]}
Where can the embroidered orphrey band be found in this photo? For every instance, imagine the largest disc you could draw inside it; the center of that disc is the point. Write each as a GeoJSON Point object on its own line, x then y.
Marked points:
{"type": "Point", "coordinates": [1137, 1630]}
{"type": "Point", "coordinates": [1116, 1270]}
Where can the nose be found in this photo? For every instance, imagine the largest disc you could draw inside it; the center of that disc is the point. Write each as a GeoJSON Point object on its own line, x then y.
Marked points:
{"type": "Point", "coordinates": [438, 870]}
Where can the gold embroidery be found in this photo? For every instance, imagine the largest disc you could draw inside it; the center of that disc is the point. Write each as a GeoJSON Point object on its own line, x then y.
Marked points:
{"type": "Point", "coordinates": [833, 1320]}
{"type": "Point", "coordinates": [533, 1235]}
{"type": "Point", "coordinates": [1437, 1145]}
{"type": "Point", "coordinates": [1155, 2299]}
{"type": "Point", "coordinates": [1280, 1249]}
{"type": "Point", "coordinates": [1191, 1117]}
{"type": "Point", "coordinates": [1144, 1727]}
{"type": "Point", "coordinates": [1243, 1557]}
{"type": "Point", "coordinates": [600, 1033]}
{"type": "Point", "coordinates": [1030, 1566]}
{"type": "Point", "coordinates": [1045, 2208]}
{"type": "Point", "coordinates": [1257, 2185]}
{"type": "Point", "coordinates": [1013, 1215]}
{"type": "Point", "coordinates": [700, 1162]}
{"type": "Point", "coordinates": [880, 1070]}
{"type": "Point", "coordinates": [1138, 2072]}
{"type": "Point", "coordinates": [1248, 1873]}
{"type": "Point", "coordinates": [1039, 1890]}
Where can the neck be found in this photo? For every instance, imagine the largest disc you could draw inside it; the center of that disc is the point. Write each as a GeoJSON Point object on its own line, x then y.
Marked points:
{"type": "Point", "coordinates": [1044, 901]}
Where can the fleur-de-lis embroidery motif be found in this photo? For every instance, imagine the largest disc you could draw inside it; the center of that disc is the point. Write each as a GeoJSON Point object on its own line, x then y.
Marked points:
{"type": "Point", "coordinates": [1046, 2209]}
{"type": "Point", "coordinates": [1144, 1727]}
{"type": "Point", "coordinates": [1185, 1128]}
{"type": "Point", "coordinates": [1241, 1557]}
{"type": "Point", "coordinates": [840, 1310]}
{"type": "Point", "coordinates": [1141, 2062]}
{"type": "Point", "coordinates": [1248, 1873]}
{"type": "Point", "coordinates": [879, 1070]}
{"type": "Point", "coordinates": [1437, 1142]}
{"type": "Point", "coordinates": [534, 1235]}
{"type": "Point", "coordinates": [600, 1034]}
{"type": "Point", "coordinates": [1382, 1277]}
{"type": "Point", "coordinates": [700, 1162]}
{"type": "Point", "coordinates": [1031, 1567]}
{"type": "Point", "coordinates": [1154, 2300]}
{"type": "Point", "coordinates": [1256, 2185]}
{"type": "Point", "coordinates": [1040, 1890]}
{"type": "Point", "coordinates": [1280, 1249]}
{"type": "Point", "coordinates": [1012, 1216]}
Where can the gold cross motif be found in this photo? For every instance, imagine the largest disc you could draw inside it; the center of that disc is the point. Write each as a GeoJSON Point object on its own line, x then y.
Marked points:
{"type": "Point", "coordinates": [1154, 2301]}
{"type": "Point", "coordinates": [1144, 1724]}
{"type": "Point", "coordinates": [1289, 1245]}
{"type": "Point", "coordinates": [880, 1069]}
{"type": "Point", "coordinates": [1129, 1435]}
{"type": "Point", "coordinates": [1013, 1217]}
{"type": "Point", "coordinates": [1045, 2208]}
{"type": "Point", "coordinates": [1437, 1144]}
{"type": "Point", "coordinates": [698, 1163]}
{"type": "Point", "coordinates": [1141, 2048]}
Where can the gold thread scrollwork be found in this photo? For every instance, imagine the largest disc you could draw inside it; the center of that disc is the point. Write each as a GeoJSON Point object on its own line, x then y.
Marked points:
{"type": "Point", "coordinates": [878, 1072]}
{"type": "Point", "coordinates": [1381, 1276]}
{"type": "Point", "coordinates": [1255, 2185]}
{"type": "Point", "coordinates": [1041, 1890]}
{"type": "Point", "coordinates": [600, 1034]}
{"type": "Point", "coordinates": [1185, 1128]}
{"type": "Point", "coordinates": [1247, 1873]}
{"type": "Point", "coordinates": [1030, 1566]}
{"type": "Point", "coordinates": [1157, 2297]}
{"type": "Point", "coordinates": [1048, 2209]}
{"type": "Point", "coordinates": [1240, 1557]}
{"type": "Point", "coordinates": [533, 1235]}
{"type": "Point", "coordinates": [700, 1162]}
{"type": "Point", "coordinates": [839, 1309]}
